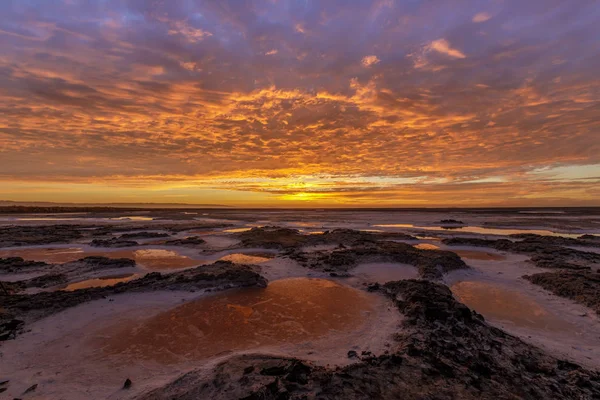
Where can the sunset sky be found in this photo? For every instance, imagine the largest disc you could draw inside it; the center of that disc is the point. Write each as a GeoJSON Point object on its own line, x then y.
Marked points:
{"type": "Point", "coordinates": [301, 103]}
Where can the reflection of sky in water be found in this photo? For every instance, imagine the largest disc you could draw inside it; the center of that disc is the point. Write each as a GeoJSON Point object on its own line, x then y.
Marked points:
{"type": "Point", "coordinates": [100, 282]}
{"type": "Point", "coordinates": [496, 303]}
{"type": "Point", "coordinates": [287, 311]}
{"type": "Point", "coordinates": [241, 258]}
{"type": "Point", "coordinates": [483, 231]}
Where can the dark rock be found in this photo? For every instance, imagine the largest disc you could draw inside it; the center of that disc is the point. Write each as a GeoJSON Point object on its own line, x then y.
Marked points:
{"type": "Point", "coordinates": [189, 241]}
{"type": "Point", "coordinates": [127, 383]}
{"type": "Point", "coordinates": [352, 354]}
{"type": "Point", "coordinates": [9, 326]}
{"type": "Point", "coordinates": [143, 235]}
{"type": "Point", "coordinates": [451, 222]}
{"type": "Point", "coordinates": [114, 242]}
{"type": "Point", "coordinates": [31, 389]}
{"type": "Point", "coordinates": [18, 264]}
{"type": "Point", "coordinates": [23, 235]}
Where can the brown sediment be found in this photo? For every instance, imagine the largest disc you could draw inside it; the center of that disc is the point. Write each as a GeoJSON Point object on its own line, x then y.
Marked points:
{"type": "Point", "coordinates": [286, 311]}
{"type": "Point", "coordinates": [500, 304]}
{"type": "Point", "coordinates": [444, 351]}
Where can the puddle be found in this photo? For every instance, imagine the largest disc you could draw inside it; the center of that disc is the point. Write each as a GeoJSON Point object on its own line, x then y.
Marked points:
{"type": "Point", "coordinates": [247, 258]}
{"type": "Point", "coordinates": [100, 282]}
{"type": "Point", "coordinates": [385, 272]}
{"type": "Point", "coordinates": [286, 311]}
{"type": "Point", "coordinates": [156, 259]}
{"type": "Point", "coordinates": [46, 254]}
{"type": "Point", "coordinates": [426, 246]}
{"type": "Point", "coordinates": [236, 230]}
{"type": "Point", "coordinates": [483, 231]}
{"type": "Point", "coordinates": [132, 218]}
{"type": "Point", "coordinates": [479, 255]}
{"type": "Point", "coordinates": [496, 303]}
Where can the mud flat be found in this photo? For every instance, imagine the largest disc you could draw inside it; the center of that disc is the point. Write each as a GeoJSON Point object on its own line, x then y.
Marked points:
{"type": "Point", "coordinates": [444, 350]}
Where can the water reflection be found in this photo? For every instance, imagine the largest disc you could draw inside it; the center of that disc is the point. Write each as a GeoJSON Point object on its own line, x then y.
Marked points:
{"type": "Point", "coordinates": [100, 282]}
{"type": "Point", "coordinates": [427, 246]}
{"type": "Point", "coordinates": [497, 303]}
{"type": "Point", "coordinates": [246, 258]}
{"type": "Point", "coordinates": [287, 311]}
{"type": "Point", "coordinates": [482, 230]}
{"type": "Point", "coordinates": [49, 255]}
{"type": "Point", "coordinates": [156, 259]}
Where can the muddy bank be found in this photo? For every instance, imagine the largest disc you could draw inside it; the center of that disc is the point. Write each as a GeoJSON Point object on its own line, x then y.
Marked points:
{"type": "Point", "coordinates": [54, 274]}
{"type": "Point", "coordinates": [582, 287]}
{"type": "Point", "coordinates": [271, 237]}
{"type": "Point", "coordinates": [220, 275]}
{"type": "Point", "coordinates": [432, 264]}
{"type": "Point", "coordinates": [444, 351]}
{"type": "Point", "coordinates": [542, 254]}
{"type": "Point", "coordinates": [45, 234]}
{"type": "Point", "coordinates": [192, 241]}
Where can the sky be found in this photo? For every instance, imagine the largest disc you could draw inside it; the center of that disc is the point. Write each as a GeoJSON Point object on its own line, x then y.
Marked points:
{"type": "Point", "coordinates": [277, 103]}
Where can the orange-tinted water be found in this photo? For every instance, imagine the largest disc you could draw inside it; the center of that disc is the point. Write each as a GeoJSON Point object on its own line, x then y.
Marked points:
{"type": "Point", "coordinates": [155, 259]}
{"type": "Point", "coordinates": [497, 303]}
{"type": "Point", "coordinates": [426, 246]}
{"type": "Point", "coordinates": [100, 282]}
{"type": "Point", "coordinates": [246, 258]}
{"type": "Point", "coordinates": [286, 311]}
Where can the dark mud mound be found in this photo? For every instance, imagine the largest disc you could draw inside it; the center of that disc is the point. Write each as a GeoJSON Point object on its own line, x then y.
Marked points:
{"type": "Point", "coordinates": [19, 265]}
{"type": "Point", "coordinates": [113, 242]}
{"type": "Point", "coordinates": [582, 287]}
{"type": "Point", "coordinates": [286, 238]}
{"type": "Point", "coordinates": [272, 237]}
{"type": "Point", "coordinates": [445, 351]}
{"type": "Point", "coordinates": [191, 241]}
{"type": "Point", "coordinates": [143, 235]}
{"type": "Point", "coordinates": [542, 254]}
{"type": "Point", "coordinates": [42, 234]}
{"type": "Point", "coordinates": [584, 240]}
{"type": "Point", "coordinates": [432, 264]}
{"type": "Point", "coordinates": [220, 275]}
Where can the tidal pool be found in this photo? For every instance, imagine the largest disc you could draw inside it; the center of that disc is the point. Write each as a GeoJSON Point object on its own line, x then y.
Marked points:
{"type": "Point", "coordinates": [46, 254]}
{"type": "Point", "coordinates": [479, 255]}
{"type": "Point", "coordinates": [482, 230]}
{"type": "Point", "coordinates": [497, 303]}
{"type": "Point", "coordinates": [100, 282]}
{"type": "Point", "coordinates": [247, 258]}
{"type": "Point", "coordinates": [427, 246]}
{"type": "Point", "coordinates": [386, 272]}
{"type": "Point", "coordinates": [286, 311]}
{"type": "Point", "coordinates": [155, 259]}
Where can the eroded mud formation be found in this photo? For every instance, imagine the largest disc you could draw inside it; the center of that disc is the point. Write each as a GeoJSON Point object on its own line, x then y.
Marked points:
{"type": "Point", "coordinates": [583, 287]}
{"type": "Point", "coordinates": [220, 275]}
{"type": "Point", "coordinates": [443, 351]}
{"type": "Point", "coordinates": [432, 264]}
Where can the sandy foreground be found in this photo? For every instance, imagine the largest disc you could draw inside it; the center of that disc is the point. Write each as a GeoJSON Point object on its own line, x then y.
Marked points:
{"type": "Point", "coordinates": [284, 305]}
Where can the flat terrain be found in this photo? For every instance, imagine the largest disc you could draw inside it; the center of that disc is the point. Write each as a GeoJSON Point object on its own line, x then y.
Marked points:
{"type": "Point", "coordinates": [293, 304]}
